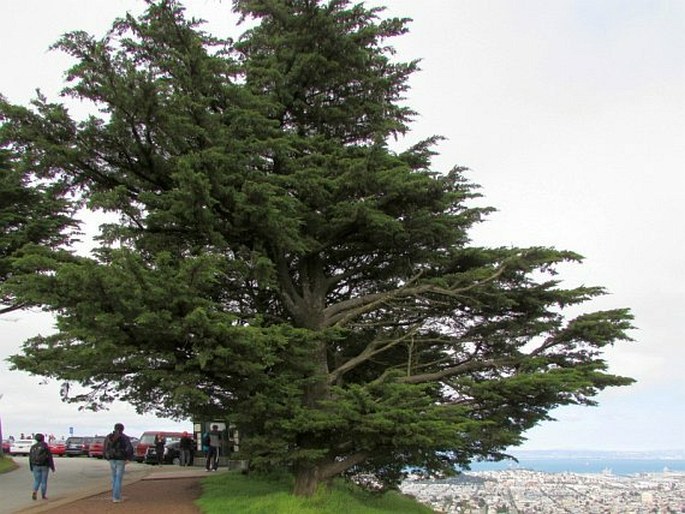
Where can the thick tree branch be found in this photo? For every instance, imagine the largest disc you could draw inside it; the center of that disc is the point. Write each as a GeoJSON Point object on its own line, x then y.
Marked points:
{"type": "Point", "coordinates": [13, 308]}
{"type": "Point", "coordinates": [373, 348]}
{"type": "Point", "coordinates": [289, 294]}
{"type": "Point", "coordinates": [342, 313]}
{"type": "Point", "coordinates": [464, 367]}
{"type": "Point", "coordinates": [335, 468]}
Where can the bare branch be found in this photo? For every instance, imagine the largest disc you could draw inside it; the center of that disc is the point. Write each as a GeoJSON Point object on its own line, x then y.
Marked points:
{"type": "Point", "coordinates": [13, 308]}
{"type": "Point", "coordinates": [337, 312]}
{"type": "Point", "coordinates": [464, 367]}
{"type": "Point", "coordinates": [373, 348]}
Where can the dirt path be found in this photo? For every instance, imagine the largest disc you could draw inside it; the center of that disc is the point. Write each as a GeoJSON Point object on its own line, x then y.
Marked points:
{"type": "Point", "coordinates": [170, 496]}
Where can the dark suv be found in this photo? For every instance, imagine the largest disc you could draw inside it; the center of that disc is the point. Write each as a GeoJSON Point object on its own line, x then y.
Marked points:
{"type": "Point", "coordinates": [172, 454]}
{"type": "Point", "coordinates": [76, 446]}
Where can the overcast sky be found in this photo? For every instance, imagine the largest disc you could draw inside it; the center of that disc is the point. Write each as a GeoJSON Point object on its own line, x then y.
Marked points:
{"type": "Point", "coordinates": [570, 115]}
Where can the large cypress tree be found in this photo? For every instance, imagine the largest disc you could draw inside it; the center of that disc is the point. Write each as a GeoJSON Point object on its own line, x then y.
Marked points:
{"type": "Point", "coordinates": [276, 261]}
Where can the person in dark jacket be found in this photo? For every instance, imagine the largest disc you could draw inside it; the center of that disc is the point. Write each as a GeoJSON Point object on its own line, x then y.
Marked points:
{"type": "Point", "coordinates": [40, 464]}
{"type": "Point", "coordinates": [185, 446]}
{"type": "Point", "coordinates": [160, 443]}
{"type": "Point", "coordinates": [118, 451]}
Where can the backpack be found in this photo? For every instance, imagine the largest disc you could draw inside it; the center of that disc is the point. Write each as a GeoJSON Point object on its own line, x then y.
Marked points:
{"type": "Point", "coordinates": [39, 454]}
{"type": "Point", "coordinates": [117, 450]}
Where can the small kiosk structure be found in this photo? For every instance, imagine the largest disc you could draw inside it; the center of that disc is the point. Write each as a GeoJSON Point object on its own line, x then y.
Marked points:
{"type": "Point", "coordinates": [230, 442]}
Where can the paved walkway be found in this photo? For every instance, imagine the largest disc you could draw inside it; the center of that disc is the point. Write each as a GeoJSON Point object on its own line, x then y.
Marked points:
{"type": "Point", "coordinates": [169, 492]}
{"type": "Point", "coordinates": [73, 477]}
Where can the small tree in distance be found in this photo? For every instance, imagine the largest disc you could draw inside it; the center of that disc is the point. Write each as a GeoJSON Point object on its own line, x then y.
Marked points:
{"type": "Point", "coordinates": [275, 262]}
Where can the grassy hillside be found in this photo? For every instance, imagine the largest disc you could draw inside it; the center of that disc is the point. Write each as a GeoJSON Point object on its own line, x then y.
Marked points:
{"type": "Point", "coordinates": [240, 494]}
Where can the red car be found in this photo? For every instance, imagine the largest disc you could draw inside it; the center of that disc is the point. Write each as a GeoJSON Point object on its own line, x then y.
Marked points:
{"type": "Point", "coordinates": [96, 447]}
{"type": "Point", "coordinates": [6, 446]}
{"type": "Point", "coordinates": [148, 439]}
{"type": "Point", "coordinates": [57, 448]}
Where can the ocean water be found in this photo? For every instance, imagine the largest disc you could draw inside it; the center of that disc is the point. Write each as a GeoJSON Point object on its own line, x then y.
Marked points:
{"type": "Point", "coordinates": [617, 466]}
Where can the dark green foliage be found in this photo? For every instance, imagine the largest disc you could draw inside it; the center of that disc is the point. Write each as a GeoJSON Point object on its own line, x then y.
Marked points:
{"type": "Point", "coordinates": [33, 214]}
{"type": "Point", "coordinates": [275, 261]}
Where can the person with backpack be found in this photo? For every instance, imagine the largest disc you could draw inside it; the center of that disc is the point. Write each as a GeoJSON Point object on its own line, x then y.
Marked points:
{"type": "Point", "coordinates": [118, 451]}
{"type": "Point", "coordinates": [213, 440]}
{"type": "Point", "coordinates": [40, 464]}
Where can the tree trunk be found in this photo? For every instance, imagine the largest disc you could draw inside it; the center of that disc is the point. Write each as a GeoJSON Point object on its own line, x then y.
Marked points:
{"type": "Point", "coordinates": [307, 473]}
{"type": "Point", "coordinates": [306, 481]}
{"type": "Point", "coordinates": [309, 314]}
{"type": "Point", "coordinates": [308, 477]}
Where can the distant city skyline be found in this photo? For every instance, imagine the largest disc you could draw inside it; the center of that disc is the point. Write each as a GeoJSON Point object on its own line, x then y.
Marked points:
{"type": "Point", "coordinates": [551, 493]}
{"type": "Point", "coordinates": [570, 115]}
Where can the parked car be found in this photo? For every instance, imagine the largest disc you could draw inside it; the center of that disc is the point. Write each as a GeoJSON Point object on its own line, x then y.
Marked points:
{"type": "Point", "coordinates": [6, 445]}
{"type": "Point", "coordinates": [86, 445]}
{"type": "Point", "coordinates": [57, 447]}
{"type": "Point", "coordinates": [148, 439]}
{"type": "Point", "coordinates": [172, 454]}
{"type": "Point", "coordinates": [77, 446]}
{"type": "Point", "coordinates": [21, 446]}
{"type": "Point", "coordinates": [97, 447]}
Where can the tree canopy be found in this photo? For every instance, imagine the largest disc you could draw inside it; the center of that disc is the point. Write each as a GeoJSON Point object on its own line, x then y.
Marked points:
{"type": "Point", "coordinates": [33, 214]}
{"type": "Point", "coordinates": [273, 259]}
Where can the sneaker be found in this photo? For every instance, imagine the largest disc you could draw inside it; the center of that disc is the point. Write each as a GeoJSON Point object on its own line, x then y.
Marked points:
{"type": "Point", "coordinates": [33, 495]}
{"type": "Point", "coordinates": [116, 500]}
{"type": "Point", "coordinates": [45, 497]}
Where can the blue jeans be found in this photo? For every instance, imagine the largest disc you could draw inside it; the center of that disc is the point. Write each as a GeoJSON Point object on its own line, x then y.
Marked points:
{"type": "Point", "coordinates": [185, 457]}
{"type": "Point", "coordinates": [40, 479]}
{"type": "Point", "coordinates": [117, 467]}
{"type": "Point", "coordinates": [212, 458]}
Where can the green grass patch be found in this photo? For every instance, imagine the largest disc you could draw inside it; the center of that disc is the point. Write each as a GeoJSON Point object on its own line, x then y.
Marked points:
{"type": "Point", "coordinates": [7, 464]}
{"type": "Point", "coordinates": [242, 494]}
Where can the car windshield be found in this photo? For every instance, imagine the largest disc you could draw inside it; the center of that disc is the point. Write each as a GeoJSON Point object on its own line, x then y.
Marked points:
{"type": "Point", "coordinates": [150, 438]}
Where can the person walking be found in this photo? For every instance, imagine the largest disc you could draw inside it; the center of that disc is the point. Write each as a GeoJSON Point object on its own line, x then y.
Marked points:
{"type": "Point", "coordinates": [118, 451]}
{"type": "Point", "coordinates": [40, 464]}
{"type": "Point", "coordinates": [213, 442]}
{"type": "Point", "coordinates": [185, 445]}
